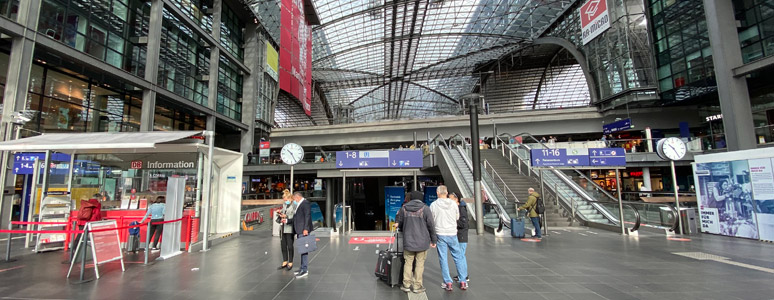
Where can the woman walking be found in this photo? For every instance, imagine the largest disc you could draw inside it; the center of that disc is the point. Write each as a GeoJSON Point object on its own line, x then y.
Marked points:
{"type": "Point", "coordinates": [285, 218]}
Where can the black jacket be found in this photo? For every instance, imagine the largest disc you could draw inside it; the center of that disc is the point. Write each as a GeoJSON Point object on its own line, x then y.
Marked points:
{"type": "Point", "coordinates": [462, 223]}
{"type": "Point", "coordinates": [302, 220]}
{"type": "Point", "coordinates": [415, 220]}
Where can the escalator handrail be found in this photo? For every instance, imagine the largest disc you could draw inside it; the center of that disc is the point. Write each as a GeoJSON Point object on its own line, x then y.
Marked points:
{"type": "Point", "coordinates": [501, 211]}
{"type": "Point", "coordinates": [675, 222]}
{"type": "Point", "coordinates": [457, 172]}
{"type": "Point", "coordinates": [637, 219]}
{"type": "Point", "coordinates": [457, 135]}
{"type": "Point", "coordinates": [443, 140]}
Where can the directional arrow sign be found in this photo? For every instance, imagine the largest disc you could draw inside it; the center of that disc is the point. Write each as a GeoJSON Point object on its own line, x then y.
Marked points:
{"type": "Point", "coordinates": [378, 159]}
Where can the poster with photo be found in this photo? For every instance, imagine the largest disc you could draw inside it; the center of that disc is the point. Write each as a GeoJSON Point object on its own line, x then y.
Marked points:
{"type": "Point", "coordinates": [725, 198]}
{"type": "Point", "coordinates": [762, 182]}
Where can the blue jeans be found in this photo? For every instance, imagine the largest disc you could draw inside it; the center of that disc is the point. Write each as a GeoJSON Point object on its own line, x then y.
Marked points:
{"type": "Point", "coordinates": [536, 223]}
{"type": "Point", "coordinates": [304, 258]}
{"type": "Point", "coordinates": [448, 243]}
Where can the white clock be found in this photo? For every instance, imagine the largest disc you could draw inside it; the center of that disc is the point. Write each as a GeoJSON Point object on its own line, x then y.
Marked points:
{"type": "Point", "coordinates": [292, 153]}
{"type": "Point", "coordinates": [671, 148]}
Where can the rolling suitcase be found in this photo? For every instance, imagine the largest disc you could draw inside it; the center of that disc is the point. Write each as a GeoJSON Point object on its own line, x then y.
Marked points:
{"type": "Point", "coordinates": [133, 242]}
{"type": "Point", "coordinates": [389, 264]}
{"type": "Point", "coordinates": [517, 227]}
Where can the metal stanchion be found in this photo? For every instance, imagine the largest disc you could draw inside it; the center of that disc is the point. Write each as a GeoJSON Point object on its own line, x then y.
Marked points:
{"type": "Point", "coordinates": [147, 242]}
{"type": "Point", "coordinates": [8, 245]}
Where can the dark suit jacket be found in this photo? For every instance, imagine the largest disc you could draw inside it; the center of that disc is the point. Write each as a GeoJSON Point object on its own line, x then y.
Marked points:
{"type": "Point", "coordinates": [302, 220]}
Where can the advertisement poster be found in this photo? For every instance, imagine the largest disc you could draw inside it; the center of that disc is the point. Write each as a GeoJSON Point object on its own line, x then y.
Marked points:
{"type": "Point", "coordinates": [431, 194]}
{"type": "Point", "coordinates": [725, 198]}
{"type": "Point", "coordinates": [317, 217]}
{"type": "Point", "coordinates": [762, 181]}
{"type": "Point", "coordinates": [105, 243]}
{"type": "Point", "coordinates": [393, 200]}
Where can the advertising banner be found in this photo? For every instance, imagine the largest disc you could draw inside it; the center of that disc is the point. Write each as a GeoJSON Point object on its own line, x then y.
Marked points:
{"type": "Point", "coordinates": [725, 199]}
{"type": "Point", "coordinates": [431, 194]}
{"type": "Point", "coordinates": [393, 200]}
{"type": "Point", "coordinates": [272, 62]}
{"type": "Point", "coordinates": [594, 19]}
{"type": "Point", "coordinates": [762, 182]}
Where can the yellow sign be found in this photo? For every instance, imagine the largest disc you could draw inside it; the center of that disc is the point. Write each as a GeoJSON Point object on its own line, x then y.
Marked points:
{"type": "Point", "coordinates": [272, 62]}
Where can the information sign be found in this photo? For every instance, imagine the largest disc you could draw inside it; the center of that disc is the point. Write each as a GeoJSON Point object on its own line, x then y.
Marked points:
{"type": "Point", "coordinates": [616, 126]}
{"type": "Point", "coordinates": [380, 159]}
{"type": "Point", "coordinates": [607, 157]}
{"type": "Point", "coordinates": [594, 157]}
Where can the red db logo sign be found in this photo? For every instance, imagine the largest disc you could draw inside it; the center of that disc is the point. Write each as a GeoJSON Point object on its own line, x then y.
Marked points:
{"type": "Point", "coordinates": [136, 164]}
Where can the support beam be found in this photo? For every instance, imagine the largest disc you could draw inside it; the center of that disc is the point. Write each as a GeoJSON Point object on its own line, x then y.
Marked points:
{"type": "Point", "coordinates": [152, 65]}
{"type": "Point", "coordinates": [579, 57]}
{"type": "Point", "coordinates": [251, 86]}
{"type": "Point", "coordinates": [732, 91]}
{"type": "Point", "coordinates": [212, 88]}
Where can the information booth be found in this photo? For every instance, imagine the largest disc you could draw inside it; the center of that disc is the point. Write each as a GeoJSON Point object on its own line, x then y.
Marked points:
{"type": "Point", "coordinates": [130, 170]}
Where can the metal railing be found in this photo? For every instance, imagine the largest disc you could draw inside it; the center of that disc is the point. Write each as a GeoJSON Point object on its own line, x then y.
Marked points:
{"type": "Point", "coordinates": [501, 212]}
{"type": "Point", "coordinates": [503, 185]}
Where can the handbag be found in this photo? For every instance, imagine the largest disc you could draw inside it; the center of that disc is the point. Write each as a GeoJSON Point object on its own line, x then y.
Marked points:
{"type": "Point", "coordinates": [306, 244]}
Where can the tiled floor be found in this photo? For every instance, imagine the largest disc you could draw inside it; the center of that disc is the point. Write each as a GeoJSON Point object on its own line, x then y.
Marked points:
{"type": "Point", "coordinates": [575, 263]}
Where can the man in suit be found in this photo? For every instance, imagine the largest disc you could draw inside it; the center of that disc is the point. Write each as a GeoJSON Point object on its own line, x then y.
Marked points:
{"type": "Point", "coordinates": [302, 225]}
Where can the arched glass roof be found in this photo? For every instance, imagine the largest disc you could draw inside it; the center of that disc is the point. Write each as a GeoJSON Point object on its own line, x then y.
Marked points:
{"type": "Point", "coordinates": [412, 59]}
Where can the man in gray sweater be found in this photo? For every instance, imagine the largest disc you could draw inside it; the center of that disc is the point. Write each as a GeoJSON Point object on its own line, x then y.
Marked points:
{"type": "Point", "coordinates": [416, 222]}
{"type": "Point", "coordinates": [445, 214]}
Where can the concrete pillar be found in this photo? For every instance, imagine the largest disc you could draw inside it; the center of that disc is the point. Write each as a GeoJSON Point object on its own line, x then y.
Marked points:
{"type": "Point", "coordinates": [329, 202]}
{"type": "Point", "coordinates": [732, 91]}
{"type": "Point", "coordinates": [251, 86]}
{"type": "Point", "coordinates": [212, 97]}
{"type": "Point", "coordinates": [152, 65]}
{"type": "Point", "coordinates": [646, 178]}
{"type": "Point", "coordinates": [20, 61]}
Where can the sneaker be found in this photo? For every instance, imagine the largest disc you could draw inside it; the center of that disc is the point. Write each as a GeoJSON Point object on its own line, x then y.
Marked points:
{"type": "Point", "coordinates": [419, 290]}
{"type": "Point", "coordinates": [405, 289]}
{"type": "Point", "coordinates": [464, 286]}
{"type": "Point", "coordinates": [302, 274]}
{"type": "Point", "coordinates": [456, 278]}
{"type": "Point", "coordinates": [447, 286]}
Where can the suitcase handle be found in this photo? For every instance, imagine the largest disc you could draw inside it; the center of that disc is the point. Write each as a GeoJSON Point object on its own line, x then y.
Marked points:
{"type": "Point", "coordinates": [394, 237]}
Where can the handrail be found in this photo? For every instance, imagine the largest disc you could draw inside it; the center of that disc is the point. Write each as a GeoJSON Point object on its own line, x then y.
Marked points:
{"type": "Point", "coordinates": [459, 136]}
{"type": "Point", "coordinates": [515, 199]}
{"type": "Point", "coordinates": [637, 219]}
{"type": "Point", "coordinates": [483, 187]}
{"type": "Point", "coordinates": [443, 140]}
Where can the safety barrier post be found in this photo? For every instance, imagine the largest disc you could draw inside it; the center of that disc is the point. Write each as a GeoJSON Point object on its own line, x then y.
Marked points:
{"type": "Point", "coordinates": [8, 246]}
{"type": "Point", "coordinates": [147, 241]}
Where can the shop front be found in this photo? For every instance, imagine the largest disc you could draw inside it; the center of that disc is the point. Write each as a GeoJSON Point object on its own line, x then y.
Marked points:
{"type": "Point", "coordinates": [130, 171]}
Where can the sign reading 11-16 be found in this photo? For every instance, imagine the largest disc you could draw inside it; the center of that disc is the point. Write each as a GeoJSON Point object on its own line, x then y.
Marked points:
{"type": "Point", "coordinates": [582, 157]}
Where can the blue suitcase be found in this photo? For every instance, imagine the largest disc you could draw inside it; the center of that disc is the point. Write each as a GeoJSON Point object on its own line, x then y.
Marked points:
{"type": "Point", "coordinates": [517, 227]}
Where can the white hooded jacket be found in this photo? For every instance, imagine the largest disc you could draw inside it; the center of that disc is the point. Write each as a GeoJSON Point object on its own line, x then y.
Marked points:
{"type": "Point", "coordinates": [445, 214]}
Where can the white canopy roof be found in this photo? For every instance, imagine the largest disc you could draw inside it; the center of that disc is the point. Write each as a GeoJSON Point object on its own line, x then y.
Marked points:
{"type": "Point", "coordinates": [106, 141]}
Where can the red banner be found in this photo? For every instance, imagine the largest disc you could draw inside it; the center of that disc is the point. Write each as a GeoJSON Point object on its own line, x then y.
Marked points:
{"type": "Point", "coordinates": [295, 73]}
{"type": "Point", "coordinates": [104, 240]}
{"type": "Point", "coordinates": [371, 240]}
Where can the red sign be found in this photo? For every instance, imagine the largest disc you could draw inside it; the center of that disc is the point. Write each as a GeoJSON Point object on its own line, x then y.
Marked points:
{"type": "Point", "coordinates": [136, 164]}
{"type": "Point", "coordinates": [635, 173]}
{"type": "Point", "coordinates": [295, 73]}
{"type": "Point", "coordinates": [105, 244]}
{"type": "Point", "coordinates": [371, 240]}
{"type": "Point", "coordinates": [591, 10]}
{"type": "Point", "coordinates": [265, 145]}
{"type": "Point", "coordinates": [594, 19]}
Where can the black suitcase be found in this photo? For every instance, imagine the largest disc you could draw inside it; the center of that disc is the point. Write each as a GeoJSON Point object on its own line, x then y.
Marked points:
{"type": "Point", "coordinates": [389, 265]}
{"type": "Point", "coordinates": [133, 243]}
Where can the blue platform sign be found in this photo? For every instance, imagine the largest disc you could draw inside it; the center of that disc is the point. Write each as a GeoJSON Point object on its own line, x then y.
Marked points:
{"type": "Point", "coordinates": [23, 162]}
{"type": "Point", "coordinates": [559, 157]}
{"type": "Point", "coordinates": [380, 159]}
{"type": "Point", "coordinates": [621, 125]}
{"type": "Point", "coordinates": [607, 157]}
{"type": "Point", "coordinates": [581, 157]}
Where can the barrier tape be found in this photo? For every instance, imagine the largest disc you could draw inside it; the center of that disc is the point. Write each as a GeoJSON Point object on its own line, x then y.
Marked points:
{"type": "Point", "coordinates": [38, 223]}
{"type": "Point", "coordinates": [81, 231]}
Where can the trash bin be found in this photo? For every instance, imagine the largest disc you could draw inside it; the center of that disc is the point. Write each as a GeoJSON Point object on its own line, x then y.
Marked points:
{"type": "Point", "coordinates": [688, 218]}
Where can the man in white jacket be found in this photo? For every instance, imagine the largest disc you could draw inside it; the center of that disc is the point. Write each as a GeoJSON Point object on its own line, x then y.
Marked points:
{"type": "Point", "coordinates": [445, 214]}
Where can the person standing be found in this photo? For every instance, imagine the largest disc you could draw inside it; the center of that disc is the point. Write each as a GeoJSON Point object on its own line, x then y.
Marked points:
{"type": "Point", "coordinates": [156, 213]}
{"type": "Point", "coordinates": [445, 215]}
{"type": "Point", "coordinates": [462, 229]}
{"type": "Point", "coordinates": [531, 206]}
{"type": "Point", "coordinates": [415, 220]}
{"type": "Point", "coordinates": [285, 218]}
{"type": "Point", "coordinates": [302, 224]}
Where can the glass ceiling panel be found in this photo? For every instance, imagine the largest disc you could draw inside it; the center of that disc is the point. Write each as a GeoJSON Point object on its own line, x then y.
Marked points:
{"type": "Point", "coordinates": [396, 59]}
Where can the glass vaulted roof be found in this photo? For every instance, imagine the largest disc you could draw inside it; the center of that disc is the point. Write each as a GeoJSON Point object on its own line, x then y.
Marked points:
{"type": "Point", "coordinates": [412, 59]}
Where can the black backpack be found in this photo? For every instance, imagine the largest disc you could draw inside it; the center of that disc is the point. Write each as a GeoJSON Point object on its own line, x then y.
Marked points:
{"type": "Point", "coordinates": [539, 207]}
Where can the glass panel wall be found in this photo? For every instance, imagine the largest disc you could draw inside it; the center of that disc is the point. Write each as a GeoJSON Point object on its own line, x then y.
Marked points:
{"type": "Point", "coordinates": [101, 29]}
{"type": "Point", "coordinates": [229, 90]}
{"type": "Point", "coordinates": [195, 10]}
{"type": "Point", "coordinates": [231, 32]}
{"type": "Point", "coordinates": [183, 61]}
{"type": "Point", "coordinates": [173, 118]}
{"type": "Point", "coordinates": [756, 33]}
{"type": "Point", "coordinates": [9, 8]}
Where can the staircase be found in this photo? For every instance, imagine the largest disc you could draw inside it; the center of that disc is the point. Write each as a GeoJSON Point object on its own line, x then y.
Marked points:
{"type": "Point", "coordinates": [519, 184]}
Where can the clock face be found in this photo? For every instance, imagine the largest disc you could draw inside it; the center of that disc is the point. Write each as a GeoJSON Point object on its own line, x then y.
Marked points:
{"type": "Point", "coordinates": [292, 154]}
{"type": "Point", "coordinates": [672, 148]}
